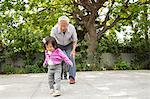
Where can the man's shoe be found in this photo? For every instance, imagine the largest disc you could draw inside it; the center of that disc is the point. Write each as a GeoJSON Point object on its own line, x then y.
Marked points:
{"type": "Point", "coordinates": [72, 81]}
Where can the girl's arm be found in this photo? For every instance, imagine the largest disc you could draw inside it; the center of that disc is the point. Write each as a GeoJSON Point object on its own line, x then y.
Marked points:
{"type": "Point", "coordinates": [65, 57]}
{"type": "Point", "coordinates": [45, 60]}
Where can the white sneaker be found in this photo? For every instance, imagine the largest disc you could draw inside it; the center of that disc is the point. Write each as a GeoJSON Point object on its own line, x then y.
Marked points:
{"type": "Point", "coordinates": [56, 93]}
{"type": "Point", "coordinates": [51, 91]}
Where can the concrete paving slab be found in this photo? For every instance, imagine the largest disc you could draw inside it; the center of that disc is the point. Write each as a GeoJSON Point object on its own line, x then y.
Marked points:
{"type": "Point", "coordinates": [90, 85]}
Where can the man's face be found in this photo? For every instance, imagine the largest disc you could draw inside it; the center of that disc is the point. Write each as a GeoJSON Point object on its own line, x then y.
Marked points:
{"type": "Point", "coordinates": [63, 26]}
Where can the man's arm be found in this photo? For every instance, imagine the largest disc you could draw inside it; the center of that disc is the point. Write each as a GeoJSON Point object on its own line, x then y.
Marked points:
{"type": "Point", "coordinates": [74, 41]}
{"type": "Point", "coordinates": [73, 52]}
{"type": "Point", "coordinates": [74, 45]}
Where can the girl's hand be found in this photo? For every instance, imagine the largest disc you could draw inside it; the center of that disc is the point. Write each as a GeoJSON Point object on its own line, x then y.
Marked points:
{"type": "Point", "coordinates": [71, 64]}
{"type": "Point", "coordinates": [44, 65]}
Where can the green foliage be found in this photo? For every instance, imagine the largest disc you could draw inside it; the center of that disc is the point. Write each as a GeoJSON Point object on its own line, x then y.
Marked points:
{"type": "Point", "coordinates": [121, 65]}
{"type": "Point", "coordinates": [18, 70]}
{"type": "Point", "coordinates": [142, 61]}
{"type": "Point", "coordinates": [8, 69]}
{"type": "Point", "coordinates": [109, 43]}
{"type": "Point", "coordinates": [34, 69]}
{"type": "Point", "coordinates": [83, 67]}
{"type": "Point", "coordinates": [25, 23]}
{"type": "Point", "coordinates": [81, 56]}
{"type": "Point", "coordinates": [136, 40]}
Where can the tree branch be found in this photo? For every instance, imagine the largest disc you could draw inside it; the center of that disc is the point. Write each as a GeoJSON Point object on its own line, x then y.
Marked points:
{"type": "Point", "coordinates": [147, 2]}
{"type": "Point", "coordinates": [85, 3]}
{"type": "Point", "coordinates": [92, 1]}
{"type": "Point", "coordinates": [99, 4]}
{"type": "Point", "coordinates": [101, 32]}
{"type": "Point", "coordinates": [80, 18]}
{"type": "Point", "coordinates": [126, 4]}
{"type": "Point", "coordinates": [89, 9]}
{"type": "Point", "coordinates": [107, 16]}
{"type": "Point", "coordinates": [53, 7]}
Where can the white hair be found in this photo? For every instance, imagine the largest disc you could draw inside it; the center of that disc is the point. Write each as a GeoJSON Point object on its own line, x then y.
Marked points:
{"type": "Point", "coordinates": [65, 18]}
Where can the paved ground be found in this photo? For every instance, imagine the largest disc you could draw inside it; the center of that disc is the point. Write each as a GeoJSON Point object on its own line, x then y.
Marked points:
{"type": "Point", "coordinates": [90, 85]}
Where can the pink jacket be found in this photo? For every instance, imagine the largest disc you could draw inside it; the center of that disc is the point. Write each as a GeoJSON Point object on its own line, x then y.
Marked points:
{"type": "Point", "coordinates": [57, 56]}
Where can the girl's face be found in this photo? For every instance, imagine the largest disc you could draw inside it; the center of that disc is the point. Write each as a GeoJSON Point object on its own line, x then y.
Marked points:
{"type": "Point", "coordinates": [50, 47]}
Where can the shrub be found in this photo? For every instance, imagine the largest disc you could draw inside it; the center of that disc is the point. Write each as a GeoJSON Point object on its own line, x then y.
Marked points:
{"type": "Point", "coordinates": [121, 65]}
{"type": "Point", "coordinates": [34, 69]}
{"type": "Point", "coordinates": [8, 69]}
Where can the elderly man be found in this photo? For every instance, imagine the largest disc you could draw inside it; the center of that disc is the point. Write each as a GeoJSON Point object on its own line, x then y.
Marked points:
{"type": "Point", "coordinates": [66, 37]}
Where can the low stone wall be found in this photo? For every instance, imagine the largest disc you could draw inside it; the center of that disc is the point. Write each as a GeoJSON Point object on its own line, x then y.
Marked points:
{"type": "Point", "coordinates": [108, 59]}
{"type": "Point", "coordinates": [128, 57]}
{"type": "Point", "coordinates": [19, 61]}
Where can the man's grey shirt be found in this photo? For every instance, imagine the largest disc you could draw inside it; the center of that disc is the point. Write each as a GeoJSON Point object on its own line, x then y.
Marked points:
{"type": "Point", "coordinates": [64, 39]}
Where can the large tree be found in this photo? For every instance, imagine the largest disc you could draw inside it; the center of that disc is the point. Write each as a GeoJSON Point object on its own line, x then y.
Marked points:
{"type": "Point", "coordinates": [98, 16]}
{"type": "Point", "coordinates": [24, 22]}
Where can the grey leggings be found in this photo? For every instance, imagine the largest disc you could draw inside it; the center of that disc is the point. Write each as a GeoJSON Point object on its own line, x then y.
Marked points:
{"type": "Point", "coordinates": [54, 76]}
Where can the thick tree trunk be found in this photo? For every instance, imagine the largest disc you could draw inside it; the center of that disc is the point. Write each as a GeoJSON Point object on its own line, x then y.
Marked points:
{"type": "Point", "coordinates": [92, 45]}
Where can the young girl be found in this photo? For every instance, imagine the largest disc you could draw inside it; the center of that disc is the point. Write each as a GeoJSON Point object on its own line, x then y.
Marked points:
{"type": "Point", "coordinates": [53, 58]}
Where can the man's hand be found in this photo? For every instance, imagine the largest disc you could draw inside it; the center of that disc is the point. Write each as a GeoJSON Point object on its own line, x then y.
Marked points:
{"type": "Point", "coordinates": [73, 53]}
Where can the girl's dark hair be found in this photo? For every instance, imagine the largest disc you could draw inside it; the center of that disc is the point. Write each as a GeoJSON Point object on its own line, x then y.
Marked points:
{"type": "Point", "coordinates": [51, 40]}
